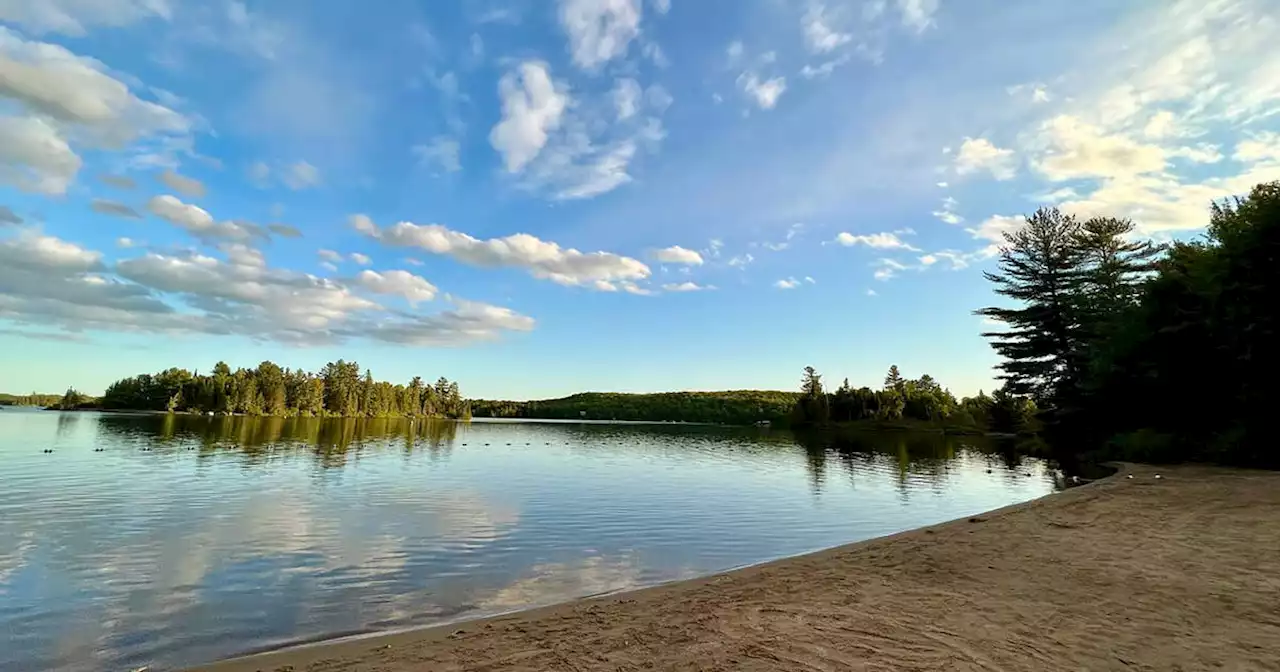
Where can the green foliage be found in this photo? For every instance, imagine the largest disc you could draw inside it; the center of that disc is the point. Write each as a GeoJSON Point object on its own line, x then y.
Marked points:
{"type": "Point", "coordinates": [1112, 334]}
{"type": "Point", "coordinates": [32, 399]}
{"type": "Point", "coordinates": [739, 407]}
{"type": "Point", "coordinates": [337, 390]}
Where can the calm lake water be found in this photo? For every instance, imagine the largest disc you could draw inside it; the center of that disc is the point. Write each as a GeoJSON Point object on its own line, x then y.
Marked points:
{"type": "Point", "coordinates": [170, 541]}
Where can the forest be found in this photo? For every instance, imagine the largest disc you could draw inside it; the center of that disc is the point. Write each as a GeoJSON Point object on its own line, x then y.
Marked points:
{"type": "Point", "coordinates": [1130, 350]}
{"type": "Point", "coordinates": [923, 400]}
{"type": "Point", "coordinates": [33, 399]}
{"type": "Point", "coordinates": [337, 390]}
{"type": "Point", "coordinates": [740, 407]}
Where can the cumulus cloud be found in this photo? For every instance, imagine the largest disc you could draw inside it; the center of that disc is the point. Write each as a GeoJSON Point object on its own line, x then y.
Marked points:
{"type": "Point", "coordinates": [183, 185]}
{"type": "Point", "coordinates": [787, 283]}
{"type": "Point", "coordinates": [199, 223]}
{"type": "Point", "coordinates": [979, 154]}
{"type": "Point", "coordinates": [599, 30]}
{"type": "Point", "coordinates": [542, 259]}
{"type": "Point", "coordinates": [79, 94]}
{"type": "Point", "coordinates": [532, 107]}
{"type": "Point", "coordinates": [404, 284]}
{"type": "Point", "coordinates": [329, 256]}
{"type": "Point", "coordinates": [361, 259]}
{"type": "Point", "coordinates": [765, 93]}
{"type": "Point", "coordinates": [886, 240]}
{"type": "Point", "coordinates": [114, 208]}
{"type": "Point", "coordinates": [34, 157]}
{"type": "Point", "coordinates": [568, 155]}
{"type": "Point", "coordinates": [677, 255]}
{"type": "Point", "coordinates": [917, 15]}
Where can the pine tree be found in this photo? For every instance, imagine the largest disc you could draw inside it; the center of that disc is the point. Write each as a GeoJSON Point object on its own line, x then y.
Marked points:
{"type": "Point", "coordinates": [894, 381]}
{"type": "Point", "coordinates": [1041, 267]}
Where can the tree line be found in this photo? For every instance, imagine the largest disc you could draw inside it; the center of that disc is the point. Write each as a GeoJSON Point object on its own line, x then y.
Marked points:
{"type": "Point", "coordinates": [1138, 351]}
{"type": "Point", "coordinates": [33, 399]}
{"type": "Point", "coordinates": [922, 399]}
{"type": "Point", "coordinates": [337, 390]}
{"type": "Point", "coordinates": [733, 407]}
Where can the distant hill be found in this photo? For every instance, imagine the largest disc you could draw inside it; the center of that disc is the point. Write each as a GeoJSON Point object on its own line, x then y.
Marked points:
{"type": "Point", "coordinates": [29, 399]}
{"type": "Point", "coordinates": [735, 407]}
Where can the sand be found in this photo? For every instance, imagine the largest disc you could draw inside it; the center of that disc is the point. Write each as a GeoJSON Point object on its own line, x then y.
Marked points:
{"type": "Point", "coordinates": [1176, 573]}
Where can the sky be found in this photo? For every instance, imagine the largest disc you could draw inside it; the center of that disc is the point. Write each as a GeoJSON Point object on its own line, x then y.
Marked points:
{"type": "Point", "coordinates": [538, 197]}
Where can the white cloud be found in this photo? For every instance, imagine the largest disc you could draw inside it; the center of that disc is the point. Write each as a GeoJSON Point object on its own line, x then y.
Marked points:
{"type": "Point", "coordinates": [284, 230]}
{"type": "Point", "coordinates": [76, 17]}
{"type": "Point", "coordinates": [329, 255]}
{"type": "Point", "coordinates": [742, 260]}
{"type": "Point", "coordinates": [34, 157]}
{"type": "Point", "coordinates": [881, 241]}
{"type": "Point", "coordinates": [819, 37]}
{"type": "Point", "coordinates": [1076, 149]}
{"type": "Point", "coordinates": [183, 185]}
{"type": "Point", "coordinates": [810, 280]}
{"type": "Point", "coordinates": [992, 230]}
{"type": "Point", "coordinates": [765, 93]}
{"type": "Point", "coordinates": [541, 259]}
{"type": "Point", "coordinates": [126, 243]}
{"type": "Point", "coordinates": [399, 283]}
{"type": "Point", "coordinates": [569, 156]}
{"type": "Point", "coordinates": [678, 255]}
{"type": "Point", "coordinates": [199, 223]}
{"type": "Point", "coordinates": [661, 6]}
{"type": "Point", "coordinates": [599, 30]}
{"type": "Point", "coordinates": [300, 175]}
{"type": "Point", "coordinates": [871, 292]}
{"type": "Point", "coordinates": [977, 154]}
{"type": "Point", "coordinates": [686, 287]}
{"type": "Point", "coordinates": [948, 212]}
{"type": "Point", "coordinates": [787, 283]}
{"type": "Point", "coordinates": [1200, 153]}
{"type": "Point", "coordinates": [626, 98]}
{"type": "Point", "coordinates": [77, 93]}
{"type": "Point", "coordinates": [825, 68]}
{"type": "Point", "coordinates": [918, 14]}
{"type": "Point", "coordinates": [113, 208]}
{"type": "Point", "coordinates": [442, 152]}
{"type": "Point", "coordinates": [1261, 147]}
{"type": "Point", "coordinates": [531, 108]}
{"type": "Point", "coordinates": [361, 259]}
{"type": "Point", "coordinates": [259, 174]}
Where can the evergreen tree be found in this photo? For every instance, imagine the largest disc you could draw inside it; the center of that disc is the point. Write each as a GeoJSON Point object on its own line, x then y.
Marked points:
{"type": "Point", "coordinates": [1041, 267]}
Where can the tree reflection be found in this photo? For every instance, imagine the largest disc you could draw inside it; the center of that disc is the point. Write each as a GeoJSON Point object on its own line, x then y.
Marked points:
{"type": "Point", "coordinates": [330, 440]}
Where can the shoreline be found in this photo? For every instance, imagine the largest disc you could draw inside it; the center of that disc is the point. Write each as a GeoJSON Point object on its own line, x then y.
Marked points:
{"type": "Point", "coordinates": [1150, 572]}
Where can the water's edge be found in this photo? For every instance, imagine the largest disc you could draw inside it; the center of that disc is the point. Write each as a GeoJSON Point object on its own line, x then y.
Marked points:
{"type": "Point", "coordinates": [443, 629]}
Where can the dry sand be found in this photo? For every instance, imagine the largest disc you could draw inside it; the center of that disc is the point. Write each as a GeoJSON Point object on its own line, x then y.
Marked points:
{"type": "Point", "coordinates": [1176, 573]}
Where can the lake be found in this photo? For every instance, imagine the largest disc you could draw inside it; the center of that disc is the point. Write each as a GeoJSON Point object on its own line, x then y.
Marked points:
{"type": "Point", "coordinates": [175, 540]}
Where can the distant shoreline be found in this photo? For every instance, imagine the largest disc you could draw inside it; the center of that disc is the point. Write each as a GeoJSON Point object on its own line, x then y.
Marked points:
{"type": "Point", "coordinates": [1130, 569]}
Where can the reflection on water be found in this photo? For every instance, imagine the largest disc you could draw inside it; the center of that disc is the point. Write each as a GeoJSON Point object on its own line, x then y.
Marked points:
{"type": "Point", "coordinates": [173, 540]}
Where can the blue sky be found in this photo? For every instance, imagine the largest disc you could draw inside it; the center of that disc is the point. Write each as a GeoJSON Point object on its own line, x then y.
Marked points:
{"type": "Point", "coordinates": [539, 198]}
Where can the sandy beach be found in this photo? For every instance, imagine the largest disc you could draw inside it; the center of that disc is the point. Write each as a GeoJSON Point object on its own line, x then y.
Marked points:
{"type": "Point", "coordinates": [1180, 572]}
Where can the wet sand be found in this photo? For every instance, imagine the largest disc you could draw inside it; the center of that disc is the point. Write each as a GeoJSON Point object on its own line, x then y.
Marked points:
{"type": "Point", "coordinates": [1176, 573]}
